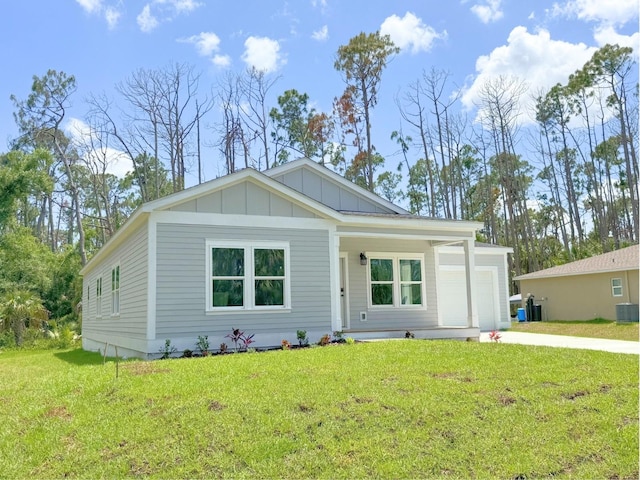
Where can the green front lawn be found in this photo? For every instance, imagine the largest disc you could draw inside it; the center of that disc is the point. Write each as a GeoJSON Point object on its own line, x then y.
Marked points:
{"type": "Point", "coordinates": [597, 328]}
{"type": "Point", "coordinates": [398, 409]}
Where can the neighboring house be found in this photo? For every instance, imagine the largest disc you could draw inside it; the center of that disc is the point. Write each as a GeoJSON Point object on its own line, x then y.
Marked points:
{"type": "Point", "coordinates": [585, 289]}
{"type": "Point", "coordinates": [297, 247]}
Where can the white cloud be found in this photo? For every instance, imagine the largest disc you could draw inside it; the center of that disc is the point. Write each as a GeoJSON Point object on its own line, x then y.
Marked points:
{"type": "Point", "coordinates": [536, 58]}
{"type": "Point", "coordinates": [322, 34]}
{"type": "Point", "coordinates": [410, 32]}
{"type": "Point", "coordinates": [607, 34]}
{"type": "Point", "coordinates": [221, 61]}
{"type": "Point", "coordinates": [112, 16]}
{"type": "Point", "coordinates": [118, 163]}
{"type": "Point", "coordinates": [182, 6]}
{"type": "Point", "coordinates": [489, 11]}
{"type": "Point", "coordinates": [263, 54]}
{"type": "Point", "coordinates": [206, 43]}
{"type": "Point", "coordinates": [610, 12]}
{"type": "Point", "coordinates": [90, 6]}
{"type": "Point", "coordinates": [159, 11]}
{"type": "Point", "coordinates": [146, 21]}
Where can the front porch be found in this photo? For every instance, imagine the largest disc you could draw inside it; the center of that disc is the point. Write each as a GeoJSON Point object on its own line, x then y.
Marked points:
{"type": "Point", "coordinates": [428, 333]}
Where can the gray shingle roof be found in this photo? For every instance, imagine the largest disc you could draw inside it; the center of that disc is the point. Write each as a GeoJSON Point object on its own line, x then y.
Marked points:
{"type": "Point", "coordinates": [623, 259]}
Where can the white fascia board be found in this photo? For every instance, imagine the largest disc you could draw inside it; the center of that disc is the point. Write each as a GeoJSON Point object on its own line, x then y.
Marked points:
{"type": "Point", "coordinates": [334, 177]}
{"type": "Point", "coordinates": [135, 220]}
{"type": "Point", "coordinates": [480, 250]}
{"type": "Point", "coordinates": [257, 221]}
{"type": "Point", "coordinates": [411, 223]}
{"type": "Point", "coordinates": [574, 274]}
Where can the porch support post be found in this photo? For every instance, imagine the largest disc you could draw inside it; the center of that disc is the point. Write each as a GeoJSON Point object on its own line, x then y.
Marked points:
{"type": "Point", "coordinates": [470, 269]}
{"type": "Point", "coordinates": [334, 269]}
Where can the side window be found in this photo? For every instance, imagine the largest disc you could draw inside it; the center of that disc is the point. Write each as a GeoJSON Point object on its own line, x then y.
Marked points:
{"type": "Point", "coordinates": [99, 297]}
{"type": "Point", "coordinates": [115, 290]}
{"type": "Point", "coordinates": [616, 287]}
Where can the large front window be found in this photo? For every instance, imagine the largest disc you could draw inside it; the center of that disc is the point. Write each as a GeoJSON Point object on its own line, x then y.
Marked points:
{"type": "Point", "coordinates": [396, 280]}
{"type": "Point", "coordinates": [247, 276]}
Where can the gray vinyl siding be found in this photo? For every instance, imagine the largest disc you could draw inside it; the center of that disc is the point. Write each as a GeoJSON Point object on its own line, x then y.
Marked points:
{"type": "Point", "coordinates": [392, 318]}
{"type": "Point", "coordinates": [329, 192]}
{"type": "Point", "coordinates": [244, 198]}
{"type": "Point", "coordinates": [132, 320]}
{"type": "Point", "coordinates": [485, 260]}
{"type": "Point", "coordinates": [181, 282]}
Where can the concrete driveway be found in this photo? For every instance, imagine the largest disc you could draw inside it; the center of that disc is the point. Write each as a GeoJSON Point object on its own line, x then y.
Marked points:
{"type": "Point", "coordinates": [614, 346]}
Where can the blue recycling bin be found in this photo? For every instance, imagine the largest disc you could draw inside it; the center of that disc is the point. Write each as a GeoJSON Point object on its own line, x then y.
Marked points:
{"type": "Point", "coordinates": [522, 316]}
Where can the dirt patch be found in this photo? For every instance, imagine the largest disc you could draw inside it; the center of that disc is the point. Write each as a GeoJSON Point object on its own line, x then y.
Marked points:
{"type": "Point", "coordinates": [304, 408]}
{"type": "Point", "coordinates": [143, 368]}
{"type": "Point", "coordinates": [574, 395]}
{"type": "Point", "coordinates": [58, 412]}
{"type": "Point", "coordinates": [506, 400]}
{"type": "Point", "coordinates": [216, 406]}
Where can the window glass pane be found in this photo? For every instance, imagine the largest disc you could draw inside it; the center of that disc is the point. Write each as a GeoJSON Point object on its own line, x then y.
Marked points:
{"type": "Point", "coordinates": [227, 262]}
{"type": "Point", "coordinates": [269, 292]}
{"type": "Point", "coordinates": [381, 270]}
{"type": "Point", "coordinates": [616, 282]}
{"type": "Point", "coordinates": [269, 262]}
{"type": "Point", "coordinates": [228, 293]}
{"type": "Point", "coordinates": [382, 294]}
{"type": "Point", "coordinates": [410, 271]}
{"type": "Point", "coordinates": [411, 294]}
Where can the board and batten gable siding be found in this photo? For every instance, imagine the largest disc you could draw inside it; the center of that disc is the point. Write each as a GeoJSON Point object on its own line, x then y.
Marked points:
{"type": "Point", "coordinates": [181, 282]}
{"type": "Point", "coordinates": [486, 260]}
{"type": "Point", "coordinates": [244, 198]}
{"type": "Point", "coordinates": [132, 319]}
{"type": "Point", "coordinates": [328, 192]}
{"type": "Point", "coordinates": [388, 318]}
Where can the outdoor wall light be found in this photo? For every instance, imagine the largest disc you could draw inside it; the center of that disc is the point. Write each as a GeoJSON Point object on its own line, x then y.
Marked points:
{"type": "Point", "coordinates": [363, 259]}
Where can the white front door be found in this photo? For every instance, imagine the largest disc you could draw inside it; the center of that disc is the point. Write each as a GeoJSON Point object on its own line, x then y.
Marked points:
{"type": "Point", "coordinates": [344, 294]}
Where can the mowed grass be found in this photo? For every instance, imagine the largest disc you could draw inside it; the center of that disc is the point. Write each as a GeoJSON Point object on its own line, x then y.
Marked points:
{"type": "Point", "coordinates": [597, 328]}
{"type": "Point", "coordinates": [397, 409]}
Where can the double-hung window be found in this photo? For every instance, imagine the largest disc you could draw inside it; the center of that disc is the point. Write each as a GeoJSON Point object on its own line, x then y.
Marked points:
{"type": "Point", "coordinates": [115, 290]}
{"type": "Point", "coordinates": [99, 297]}
{"type": "Point", "coordinates": [396, 280]}
{"type": "Point", "coordinates": [247, 276]}
{"type": "Point", "coordinates": [616, 287]}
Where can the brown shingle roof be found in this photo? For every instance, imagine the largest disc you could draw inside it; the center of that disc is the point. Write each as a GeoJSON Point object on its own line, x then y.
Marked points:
{"type": "Point", "coordinates": [623, 259]}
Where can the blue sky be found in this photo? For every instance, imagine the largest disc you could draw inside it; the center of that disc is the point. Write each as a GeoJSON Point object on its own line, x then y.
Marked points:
{"type": "Point", "coordinates": [102, 42]}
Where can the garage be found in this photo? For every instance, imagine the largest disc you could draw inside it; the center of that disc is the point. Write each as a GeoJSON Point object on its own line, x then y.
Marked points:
{"type": "Point", "coordinates": [452, 297]}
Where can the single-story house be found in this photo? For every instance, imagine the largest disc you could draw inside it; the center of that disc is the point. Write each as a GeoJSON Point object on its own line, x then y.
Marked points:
{"type": "Point", "coordinates": [585, 289]}
{"type": "Point", "coordinates": [296, 247]}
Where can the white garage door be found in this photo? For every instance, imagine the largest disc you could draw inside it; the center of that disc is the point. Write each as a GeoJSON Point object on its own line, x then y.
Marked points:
{"type": "Point", "coordinates": [452, 298]}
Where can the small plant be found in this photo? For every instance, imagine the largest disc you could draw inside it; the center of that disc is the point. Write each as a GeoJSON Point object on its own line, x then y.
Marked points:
{"type": "Point", "coordinates": [302, 338]}
{"type": "Point", "coordinates": [286, 345]}
{"type": "Point", "coordinates": [235, 336]}
{"type": "Point", "coordinates": [338, 336]}
{"type": "Point", "coordinates": [495, 336]}
{"type": "Point", "coordinates": [187, 353]}
{"type": "Point", "coordinates": [223, 348]}
{"type": "Point", "coordinates": [325, 340]}
{"type": "Point", "coordinates": [251, 350]}
{"type": "Point", "coordinates": [409, 334]}
{"type": "Point", "coordinates": [203, 345]}
{"type": "Point", "coordinates": [350, 340]}
{"type": "Point", "coordinates": [167, 350]}
{"type": "Point", "coordinates": [247, 340]}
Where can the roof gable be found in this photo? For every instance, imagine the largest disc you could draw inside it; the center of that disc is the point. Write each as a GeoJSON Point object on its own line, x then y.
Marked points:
{"type": "Point", "coordinates": [327, 187]}
{"type": "Point", "coordinates": [618, 260]}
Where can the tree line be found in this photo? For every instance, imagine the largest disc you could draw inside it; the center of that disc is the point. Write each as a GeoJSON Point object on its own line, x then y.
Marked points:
{"type": "Point", "coordinates": [560, 190]}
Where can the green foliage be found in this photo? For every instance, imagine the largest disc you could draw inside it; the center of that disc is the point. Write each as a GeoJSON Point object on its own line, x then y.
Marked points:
{"type": "Point", "coordinates": [20, 310]}
{"type": "Point", "coordinates": [303, 340]}
{"type": "Point", "coordinates": [203, 344]}
{"type": "Point", "coordinates": [167, 350]}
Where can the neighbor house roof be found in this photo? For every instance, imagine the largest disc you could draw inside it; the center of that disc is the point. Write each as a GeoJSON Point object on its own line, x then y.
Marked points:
{"type": "Point", "coordinates": [618, 260]}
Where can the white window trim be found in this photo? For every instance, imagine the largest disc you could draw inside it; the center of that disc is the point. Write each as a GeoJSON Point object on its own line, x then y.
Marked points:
{"type": "Point", "coordinates": [99, 297]}
{"type": "Point", "coordinates": [614, 287]}
{"type": "Point", "coordinates": [115, 313]}
{"type": "Point", "coordinates": [249, 276]}
{"type": "Point", "coordinates": [396, 257]}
